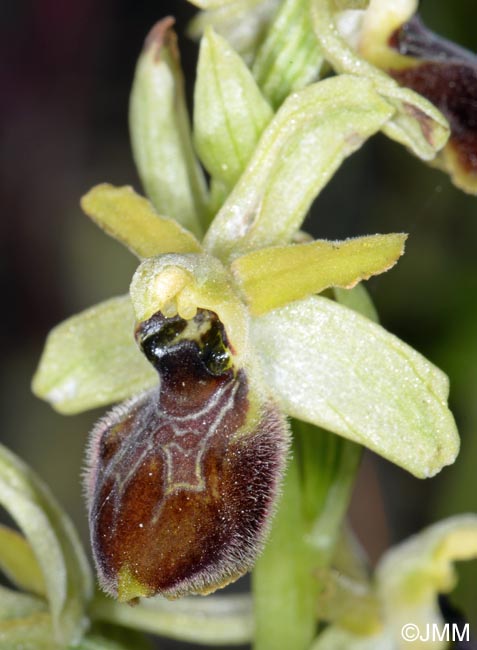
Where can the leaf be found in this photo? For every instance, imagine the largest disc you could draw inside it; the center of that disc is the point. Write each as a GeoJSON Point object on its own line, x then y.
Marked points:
{"type": "Point", "coordinates": [54, 542]}
{"type": "Point", "coordinates": [332, 367]}
{"type": "Point", "coordinates": [160, 132]}
{"type": "Point", "coordinates": [91, 359]}
{"type": "Point", "coordinates": [132, 220]}
{"type": "Point", "coordinates": [272, 277]}
{"type": "Point", "coordinates": [417, 124]}
{"type": "Point", "coordinates": [309, 137]}
{"type": "Point", "coordinates": [18, 562]}
{"type": "Point", "coordinates": [289, 58]}
{"type": "Point", "coordinates": [215, 620]}
{"type": "Point", "coordinates": [230, 112]}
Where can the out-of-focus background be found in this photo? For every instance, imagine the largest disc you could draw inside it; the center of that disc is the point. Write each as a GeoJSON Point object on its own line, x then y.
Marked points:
{"type": "Point", "coordinates": [66, 70]}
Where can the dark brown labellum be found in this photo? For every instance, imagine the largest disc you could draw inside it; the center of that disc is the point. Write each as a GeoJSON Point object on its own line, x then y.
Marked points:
{"type": "Point", "coordinates": [446, 75]}
{"type": "Point", "coordinates": [182, 480]}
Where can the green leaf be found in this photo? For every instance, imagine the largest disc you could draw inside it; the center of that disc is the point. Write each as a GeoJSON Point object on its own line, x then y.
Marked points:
{"type": "Point", "coordinates": [215, 620]}
{"type": "Point", "coordinates": [18, 562]}
{"type": "Point", "coordinates": [131, 219]}
{"type": "Point", "coordinates": [289, 58]}
{"type": "Point", "coordinates": [417, 124]}
{"type": "Point", "coordinates": [309, 137]}
{"type": "Point", "coordinates": [273, 277]}
{"type": "Point", "coordinates": [160, 132]}
{"type": "Point", "coordinates": [332, 367]}
{"type": "Point", "coordinates": [54, 542]}
{"type": "Point", "coordinates": [14, 605]}
{"type": "Point", "coordinates": [243, 23]}
{"type": "Point", "coordinates": [230, 112]}
{"type": "Point", "coordinates": [92, 359]}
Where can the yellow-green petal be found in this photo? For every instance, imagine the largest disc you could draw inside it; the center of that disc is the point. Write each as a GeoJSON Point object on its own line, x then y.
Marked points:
{"type": "Point", "coordinates": [313, 132]}
{"type": "Point", "coordinates": [272, 277]}
{"type": "Point", "coordinates": [92, 359]}
{"type": "Point", "coordinates": [230, 112]}
{"type": "Point", "coordinates": [18, 562]}
{"type": "Point", "coordinates": [330, 366]}
{"type": "Point", "coordinates": [160, 132]}
{"type": "Point", "coordinates": [132, 220]}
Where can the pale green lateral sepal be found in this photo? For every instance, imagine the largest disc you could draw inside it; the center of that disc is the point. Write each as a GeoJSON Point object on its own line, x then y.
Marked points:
{"type": "Point", "coordinates": [92, 359]}
{"type": "Point", "coordinates": [417, 124]}
{"type": "Point", "coordinates": [330, 366]}
{"type": "Point", "coordinates": [131, 219]}
{"type": "Point", "coordinates": [230, 112]}
{"type": "Point", "coordinates": [313, 132]}
{"type": "Point", "coordinates": [272, 277]}
{"type": "Point", "coordinates": [160, 132]}
{"type": "Point", "coordinates": [55, 545]}
{"type": "Point", "coordinates": [242, 23]}
{"type": "Point", "coordinates": [411, 575]}
{"type": "Point", "coordinates": [18, 562]}
{"type": "Point", "coordinates": [289, 57]}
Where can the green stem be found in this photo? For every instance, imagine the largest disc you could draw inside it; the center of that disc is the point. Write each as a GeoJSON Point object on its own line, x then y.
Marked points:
{"type": "Point", "coordinates": [305, 530]}
{"type": "Point", "coordinates": [283, 586]}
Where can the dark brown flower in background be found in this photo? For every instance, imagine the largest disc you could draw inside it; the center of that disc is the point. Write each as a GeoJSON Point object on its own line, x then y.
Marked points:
{"type": "Point", "coordinates": [446, 75]}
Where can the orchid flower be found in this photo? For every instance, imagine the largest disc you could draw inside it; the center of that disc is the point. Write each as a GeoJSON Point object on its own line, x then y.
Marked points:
{"type": "Point", "coordinates": [235, 319]}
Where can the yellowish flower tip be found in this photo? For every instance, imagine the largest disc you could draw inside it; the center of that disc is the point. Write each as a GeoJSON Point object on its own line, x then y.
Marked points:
{"type": "Point", "coordinates": [130, 588]}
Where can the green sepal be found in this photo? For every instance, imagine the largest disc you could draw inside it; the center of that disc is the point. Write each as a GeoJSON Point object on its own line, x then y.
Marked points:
{"type": "Point", "coordinates": [230, 112]}
{"type": "Point", "coordinates": [417, 124]}
{"type": "Point", "coordinates": [313, 132]}
{"type": "Point", "coordinates": [91, 359]}
{"type": "Point", "coordinates": [54, 542]}
{"type": "Point", "coordinates": [18, 562]}
{"type": "Point", "coordinates": [132, 220]}
{"type": "Point", "coordinates": [289, 58]}
{"type": "Point", "coordinates": [272, 277]}
{"type": "Point", "coordinates": [160, 132]}
{"type": "Point", "coordinates": [330, 366]}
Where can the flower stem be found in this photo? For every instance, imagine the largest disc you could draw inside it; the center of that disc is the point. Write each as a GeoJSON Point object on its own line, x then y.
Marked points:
{"type": "Point", "coordinates": [315, 498]}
